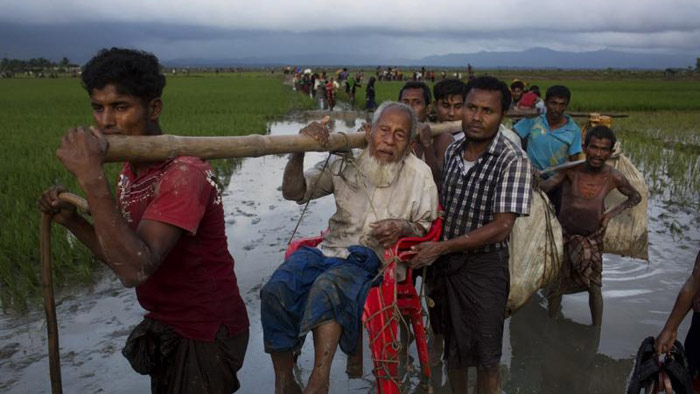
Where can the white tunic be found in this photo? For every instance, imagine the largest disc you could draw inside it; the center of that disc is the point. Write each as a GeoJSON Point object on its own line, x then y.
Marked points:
{"type": "Point", "coordinates": [412, 196]}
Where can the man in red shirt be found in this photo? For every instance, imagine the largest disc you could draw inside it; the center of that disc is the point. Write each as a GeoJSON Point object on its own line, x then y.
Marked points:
{"type": "Point", "coordinates": [163, 235]}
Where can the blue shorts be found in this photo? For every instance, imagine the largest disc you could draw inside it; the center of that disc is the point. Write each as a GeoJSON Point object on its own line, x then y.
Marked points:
{"type": "Point", "coordinates": [309, 289]}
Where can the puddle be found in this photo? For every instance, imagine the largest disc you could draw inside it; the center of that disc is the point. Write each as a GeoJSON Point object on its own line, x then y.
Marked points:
{"type": "Point", "coordinates": [539, 355]}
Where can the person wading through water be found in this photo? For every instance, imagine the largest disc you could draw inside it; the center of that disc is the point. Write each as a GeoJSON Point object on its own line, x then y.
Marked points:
{"type": "Point", "coordinates": [163, 235]}
{"type": "Point", "coordinates": [583, 219]}
{"type": "Point", "coordinates": [486, 185]}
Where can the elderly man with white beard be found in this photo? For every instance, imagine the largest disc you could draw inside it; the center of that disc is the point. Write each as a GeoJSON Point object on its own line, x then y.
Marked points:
{"type": "Point", "coordinates": [381, 195]}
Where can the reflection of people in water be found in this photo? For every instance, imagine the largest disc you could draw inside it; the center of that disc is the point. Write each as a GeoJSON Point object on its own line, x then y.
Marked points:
{"type": "Point", "coordinates": [688, 297]}
{"type": "Point", "coordinates": [583, 219]}
{"type": "Point", "coordinates": [559, 356]}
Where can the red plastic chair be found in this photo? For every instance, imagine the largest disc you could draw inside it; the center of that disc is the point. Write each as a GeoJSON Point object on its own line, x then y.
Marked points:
{"type": "Point", "coordinates": [381, 318]}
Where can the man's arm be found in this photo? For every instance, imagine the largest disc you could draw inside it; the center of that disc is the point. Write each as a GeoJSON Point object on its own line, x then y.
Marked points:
{"type": "Point", "coordinates": [440, 145]}
{"type": "Point", "coordinates": [553, 181]}
{"type": "Point", "coordinates": [522, 129]}
{"type": "Point", "coordinates": [496, 231]}
{"type": "Point", "coordinates": [624, 187]}
{"type": "Point", "coordinates": [575, 149]}
{"type": "Point", "coordinates": [132, 255]}
{"type": "Point", "coordinates": [434, 150]}
{"type": "Point", "coordinates": [684, 301]}
{"type": "Point", "coordinates": [293, 182]}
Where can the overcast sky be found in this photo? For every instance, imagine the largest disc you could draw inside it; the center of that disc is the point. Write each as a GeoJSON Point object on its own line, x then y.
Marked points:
{"type": "Point", "coordinates": [399, 28]}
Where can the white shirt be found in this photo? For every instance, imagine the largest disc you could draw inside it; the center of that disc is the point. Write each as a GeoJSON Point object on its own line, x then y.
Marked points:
{"type": "Point", "coordinates": [411, 196]}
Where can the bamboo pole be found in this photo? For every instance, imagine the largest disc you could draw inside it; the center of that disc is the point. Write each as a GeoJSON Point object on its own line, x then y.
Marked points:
{"type": "Point", "coordinates": [164, 147]}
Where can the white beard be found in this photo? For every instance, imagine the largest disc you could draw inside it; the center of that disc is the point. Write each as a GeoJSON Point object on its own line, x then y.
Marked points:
{"type": "Point", "coordinates": [378, 173]}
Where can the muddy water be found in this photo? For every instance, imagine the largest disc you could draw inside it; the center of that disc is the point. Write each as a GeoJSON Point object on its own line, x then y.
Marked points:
{"type": "Point", "coordinates": [539, 355]}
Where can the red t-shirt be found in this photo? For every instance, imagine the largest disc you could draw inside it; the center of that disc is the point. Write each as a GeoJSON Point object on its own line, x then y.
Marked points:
{"type": "Point", "coordinates": [194, 290]}
{"type": "Point", "coordinates": [528, 100]}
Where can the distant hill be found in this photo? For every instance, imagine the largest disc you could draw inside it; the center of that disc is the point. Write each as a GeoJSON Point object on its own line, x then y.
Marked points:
{"type": "Point", "coordinates": [530, 58]}
{"type": "Point", "coordinates": [548, 58]}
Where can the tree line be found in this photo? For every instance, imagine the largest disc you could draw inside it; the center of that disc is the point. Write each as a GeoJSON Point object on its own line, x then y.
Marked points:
{"type": "Point", "coordinates": [35, 64]}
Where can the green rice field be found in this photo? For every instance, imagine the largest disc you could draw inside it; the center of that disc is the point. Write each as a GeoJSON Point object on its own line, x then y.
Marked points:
{"type": "Point", "coordinates": [37, 112]}
{"type": "Point", "coordinates": [597, 95]}
{"type": "Point", "coordinates": [661, 136]}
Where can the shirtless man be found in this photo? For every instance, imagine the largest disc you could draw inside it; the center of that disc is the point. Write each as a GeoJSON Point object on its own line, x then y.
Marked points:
{"type": "Point", "coordinates": [583, 219]}
{"type": "Point", "coordinates": [431, 150]}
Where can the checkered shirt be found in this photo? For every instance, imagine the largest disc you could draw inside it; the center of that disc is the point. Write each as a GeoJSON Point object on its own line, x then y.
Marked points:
{"type": "Point", "coordinates": [499, 182]}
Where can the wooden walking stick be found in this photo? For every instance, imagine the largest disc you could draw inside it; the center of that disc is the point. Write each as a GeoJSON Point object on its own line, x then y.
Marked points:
{"type": "Point", "coordinates": [47, 290]}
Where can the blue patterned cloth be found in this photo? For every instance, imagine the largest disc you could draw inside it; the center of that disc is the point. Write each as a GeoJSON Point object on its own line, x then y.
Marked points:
{"type": "Point", "coordinates": [309, 289]}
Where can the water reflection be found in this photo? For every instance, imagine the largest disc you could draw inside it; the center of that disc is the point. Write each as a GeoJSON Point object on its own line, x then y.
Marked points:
{"type": "Point", "coordinates": [556, 356]}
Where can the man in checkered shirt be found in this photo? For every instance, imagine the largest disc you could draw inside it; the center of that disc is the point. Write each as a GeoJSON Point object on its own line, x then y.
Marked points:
{"type": "Point", "coordinates": [486, 185]}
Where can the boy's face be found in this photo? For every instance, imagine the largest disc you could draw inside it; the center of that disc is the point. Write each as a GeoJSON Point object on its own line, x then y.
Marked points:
{"type": "Point", "coordinates": [449, 108]}
{"type": "Point", "coordinates": [123, 114]}
{"type": "Point", "coordinates": [598, 150]}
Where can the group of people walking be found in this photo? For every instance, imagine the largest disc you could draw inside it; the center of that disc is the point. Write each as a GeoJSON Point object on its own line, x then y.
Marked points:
{"type": "Point", "coordinates": [163, 232]}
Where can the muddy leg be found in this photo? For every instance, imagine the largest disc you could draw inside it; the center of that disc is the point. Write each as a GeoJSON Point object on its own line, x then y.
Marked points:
{"type": "Point", "coordinates": [354, 365]}
{"type": "Point", "coordinates": [554, 306]}
{"type": "Point", "coordinates": [488, 380]}
{"type": "Point", "coordinates": [284, 377]}
{"type": "Point", "coordinates": [436, 346]}
{"type": "Point", "coordinates": [595, 301]}
{"type": "Point", "coordinates": [459, 380]}
{"type": "Point", "coordinates": [326, 337]}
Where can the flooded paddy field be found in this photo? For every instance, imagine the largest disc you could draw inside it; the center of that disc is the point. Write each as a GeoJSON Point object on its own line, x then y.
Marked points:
{"type": "Point", "coordinates": [539, 355]}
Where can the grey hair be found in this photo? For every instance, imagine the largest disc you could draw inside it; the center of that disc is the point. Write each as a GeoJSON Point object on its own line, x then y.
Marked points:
{"type": "Point", "coordinates": [395, 105]}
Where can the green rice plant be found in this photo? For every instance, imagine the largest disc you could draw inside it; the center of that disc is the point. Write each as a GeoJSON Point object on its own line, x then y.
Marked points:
{"type": "Point", "coordinates": [665, 145]}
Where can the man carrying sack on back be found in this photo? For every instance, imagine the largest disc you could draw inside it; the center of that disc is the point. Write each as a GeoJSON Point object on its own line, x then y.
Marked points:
{"type": "Point", "coordinates": [584, 219]}
{"type": "Point", "coordinates": [164, 234]}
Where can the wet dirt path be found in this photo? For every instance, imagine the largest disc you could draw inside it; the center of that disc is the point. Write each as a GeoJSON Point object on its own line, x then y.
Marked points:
{"type": "Point", "coordinates": [539, 355]}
